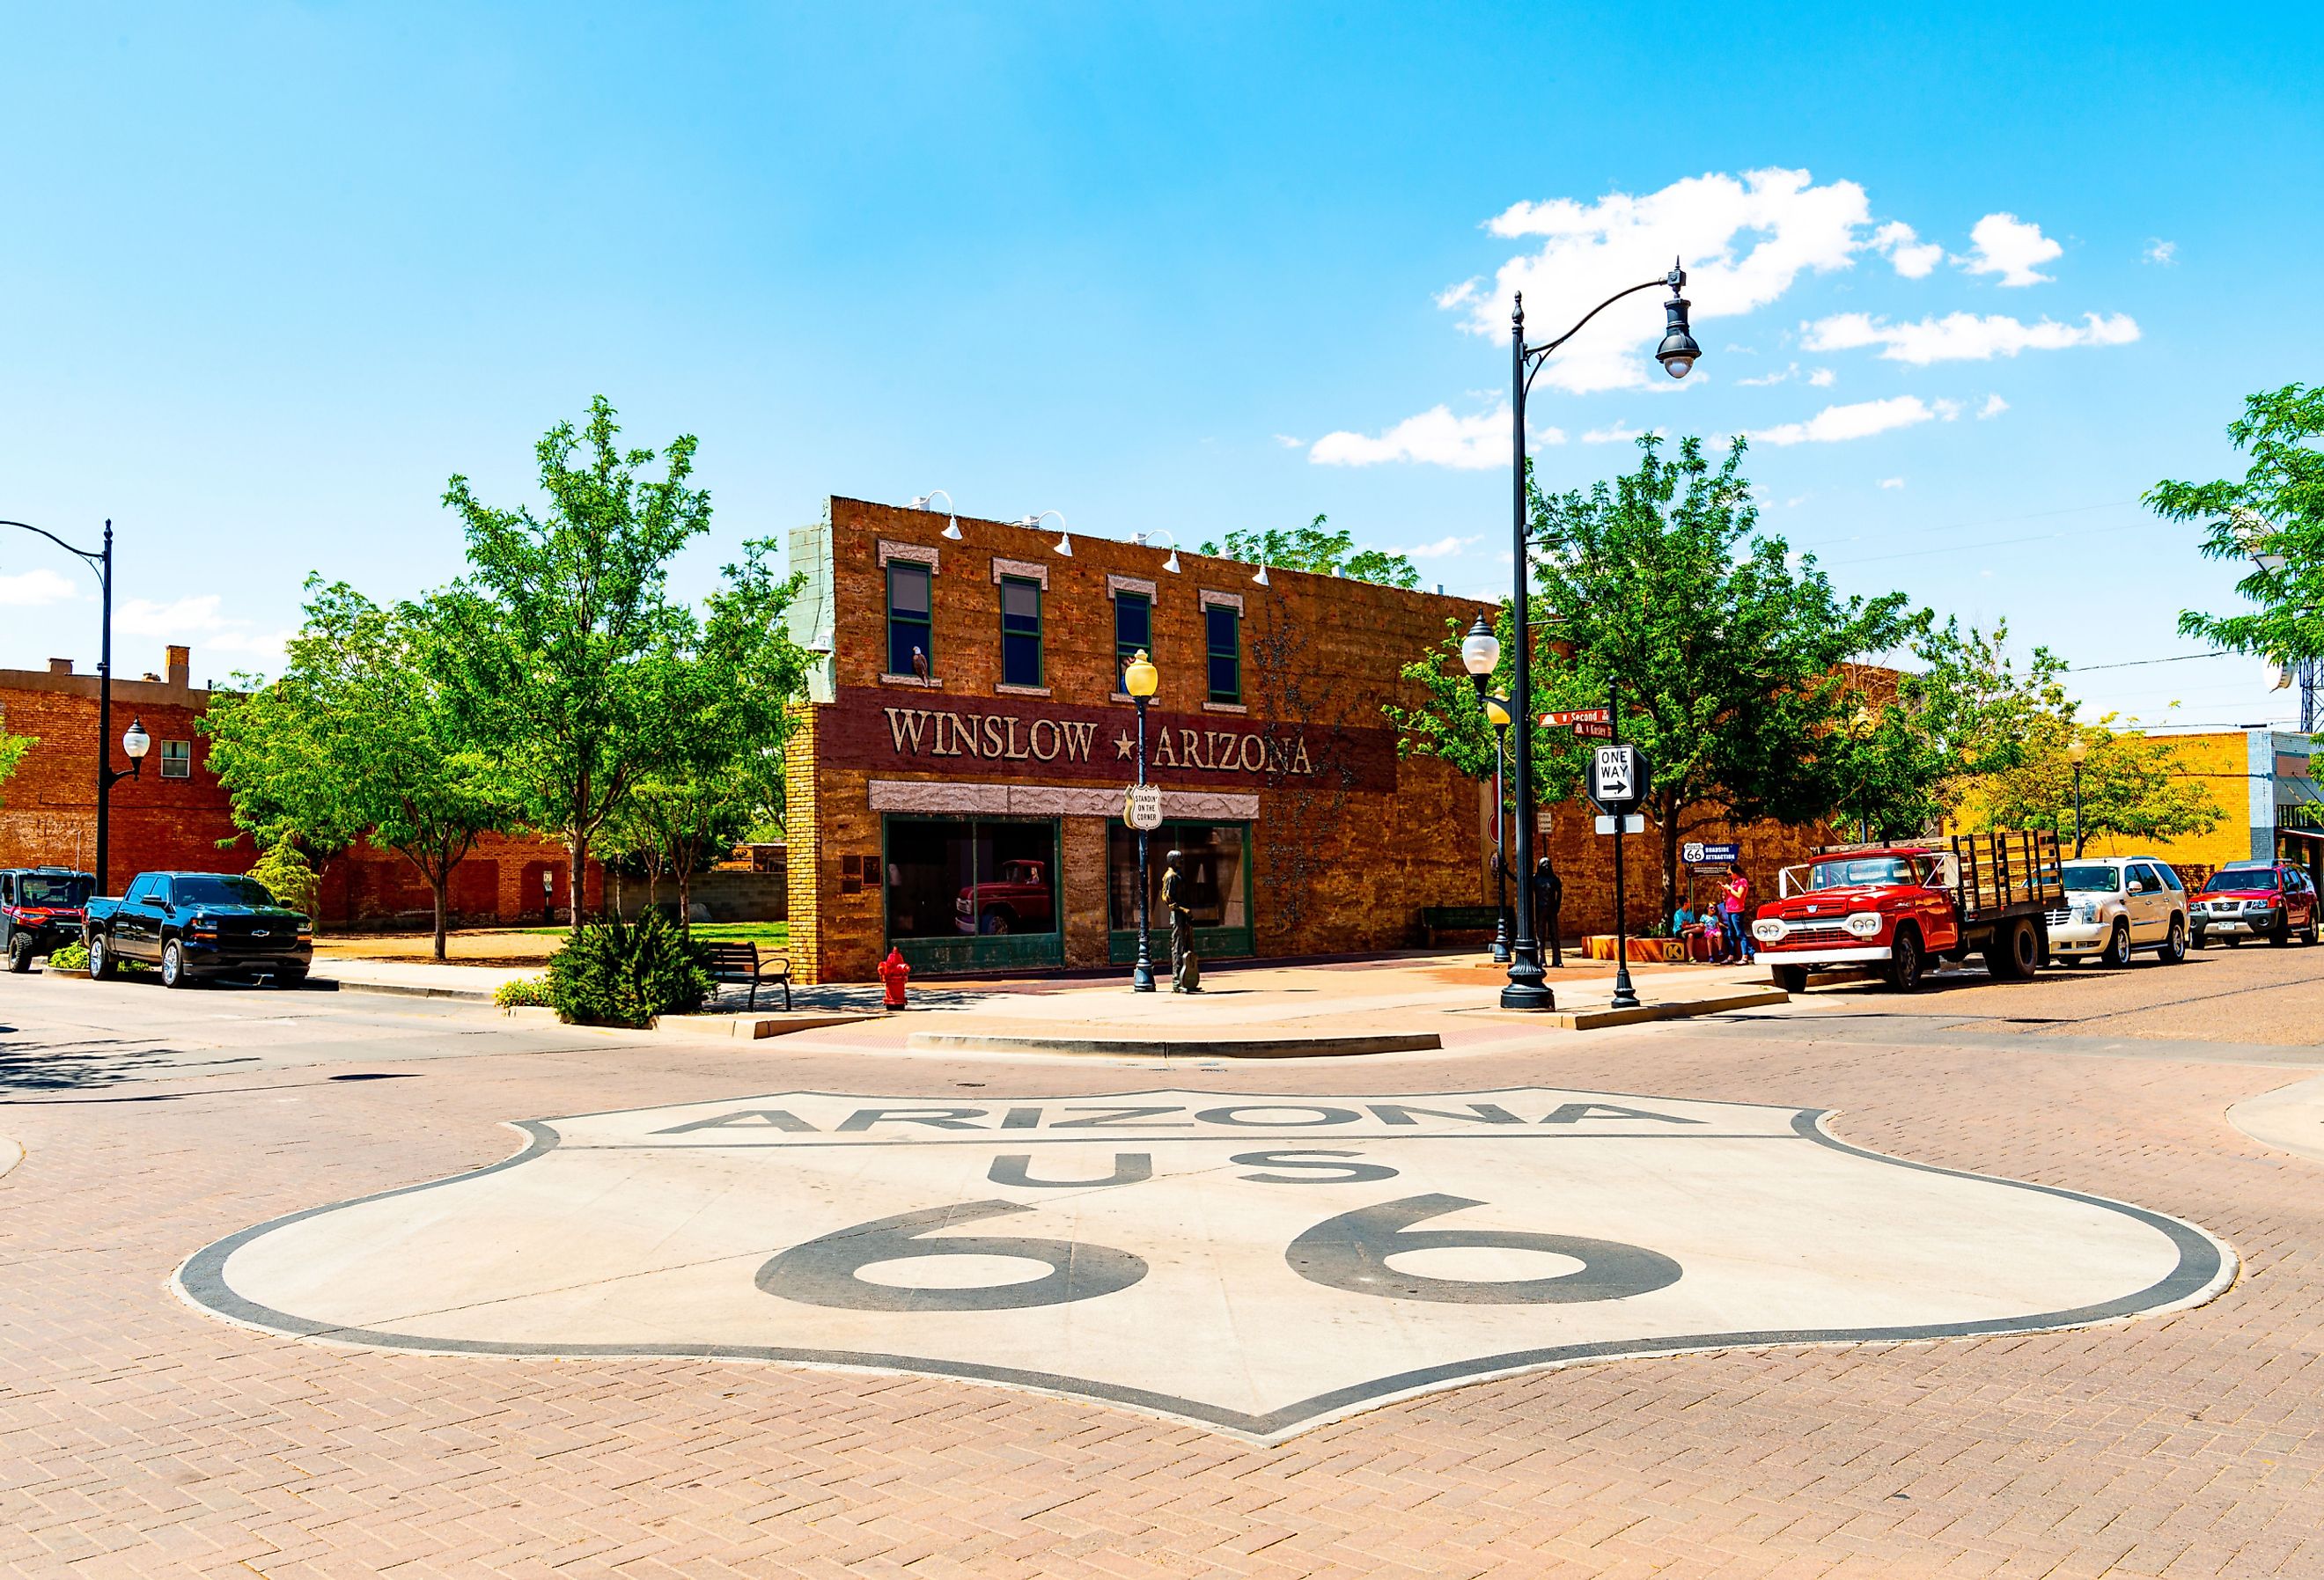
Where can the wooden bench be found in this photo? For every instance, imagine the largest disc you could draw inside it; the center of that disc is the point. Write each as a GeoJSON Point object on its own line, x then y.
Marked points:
{"type": "Point", "coordinates": [1458, 919]}
{"type": "Point", "coordinates": [741, 963]}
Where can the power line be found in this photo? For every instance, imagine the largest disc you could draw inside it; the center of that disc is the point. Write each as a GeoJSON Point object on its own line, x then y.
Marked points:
{"type": "Point", "coordinates": [2135, 664]}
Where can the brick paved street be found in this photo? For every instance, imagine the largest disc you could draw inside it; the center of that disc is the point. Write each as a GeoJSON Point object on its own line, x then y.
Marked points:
{"type": "Point", "coordinates": [140, 1436]}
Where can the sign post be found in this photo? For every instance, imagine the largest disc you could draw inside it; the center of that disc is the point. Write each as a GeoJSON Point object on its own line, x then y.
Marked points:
{"type": "Point", "coordinates": [1619, 777]}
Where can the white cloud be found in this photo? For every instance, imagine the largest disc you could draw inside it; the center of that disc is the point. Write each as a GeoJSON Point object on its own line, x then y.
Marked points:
{"type": "Point", "coordinates": [186, 618]}
{"type": "Point", "coordinates": [1993, 407]}
{"type": "Point", "coordinates": [1861, 420]}
{"type": "Point", "coordinates": [1892, 483]}
{"type": "Point", "coordinates": [1616, 432]}
{"type": "Point", "coordinates": [1822, 378]}
{"type": "Point", "coordinates": [1776, 377]}
{"type": "Point", "coordinates": [1947, 410]}
{"type": "Point", "coordinates": [2159, 251]}
{"type": "Point", "coordinates": [1963, 336]}
{"type": "Point", "coordinates": [1743, 240]}
{"type": "Point", "coordinates": [1289, 443]}
{"type": "Point", "coordinates": [1459, 295]}
{"type": "Point", "coordinates": [1441, 548]}
{"type": "Point", "coordinates": [1436, 438]}
{"type": "Point", "coordinates": [31, 589]}
{"type": "Point", "coordinates": [1912, 257]}
{"type": "Point", "coordinates": [2008, 246]}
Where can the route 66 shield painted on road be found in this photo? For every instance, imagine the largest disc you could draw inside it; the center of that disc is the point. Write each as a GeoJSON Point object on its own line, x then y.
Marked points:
{"type": "Point", "coordinates": [1255, 1264]}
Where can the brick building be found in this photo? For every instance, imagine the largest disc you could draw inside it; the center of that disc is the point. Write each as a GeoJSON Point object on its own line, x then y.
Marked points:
{"type": "Point", "coordinates": [955, 781]}
{"type": "Point", "coordinates": [175, 813]}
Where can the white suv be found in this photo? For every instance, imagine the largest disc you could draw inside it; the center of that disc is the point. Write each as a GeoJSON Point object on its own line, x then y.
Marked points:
{"type": "Point", "coordinates": [2114, 904]}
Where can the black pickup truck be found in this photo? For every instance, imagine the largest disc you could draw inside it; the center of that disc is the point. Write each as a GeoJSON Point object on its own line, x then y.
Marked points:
{"type": "Point", "coordinates": [194, 925]}
{"type": "Point", "coordinates": [39, 911]}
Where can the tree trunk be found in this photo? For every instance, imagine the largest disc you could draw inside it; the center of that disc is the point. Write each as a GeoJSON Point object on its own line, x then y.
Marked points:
{"type": "Point", "coordinates": [685, 890]}
{"type": "Point", "coordinates": [577, 851]}
{"type": "Point", "coordinates": [439, 879]}
{"type": "Point", "coordinates": [1670, 860]}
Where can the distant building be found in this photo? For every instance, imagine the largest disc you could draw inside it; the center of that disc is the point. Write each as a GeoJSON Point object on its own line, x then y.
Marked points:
{"type": "Point", "coordinates": [176, 814]}
{"type": "Point", "coordinates": [2263, 779]}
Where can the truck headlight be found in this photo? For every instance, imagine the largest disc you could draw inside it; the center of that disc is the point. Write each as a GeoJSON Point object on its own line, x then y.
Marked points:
{"type": "Point", "coordinates": [2086, 910]}
{"type": "Point", "coordinates": [1767, 930]}
{"type": "Point", "coordinates": [1863, 924]}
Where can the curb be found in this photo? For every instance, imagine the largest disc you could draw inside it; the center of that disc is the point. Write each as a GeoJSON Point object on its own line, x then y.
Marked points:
{"type": "Point", "coordinates": [1154, 1047]}
{"type": "Point", "coordinates": [474, 995]}
{"type": "Point", "coordinates": [1593, 1019]}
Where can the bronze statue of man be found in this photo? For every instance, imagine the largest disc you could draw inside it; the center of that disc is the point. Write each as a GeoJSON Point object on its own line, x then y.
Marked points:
{"type": "Point", "coordinates": [1548, 900]}
{"type": "Point", "coordinates": [1186, 966]}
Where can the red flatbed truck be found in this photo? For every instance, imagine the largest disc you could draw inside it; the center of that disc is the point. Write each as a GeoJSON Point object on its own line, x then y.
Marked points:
{"type": "Point", "coordinates": [1894, 907]}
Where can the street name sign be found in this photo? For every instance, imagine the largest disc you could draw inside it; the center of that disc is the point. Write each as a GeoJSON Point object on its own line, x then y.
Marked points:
{"type": "Point", "coordinates": [1252, 1263]}
{"type": "Point", "coordinates": [1578, 716]}
{"type": "Point", "coordinates": [1142, 807]}
{"type": "Point", "coordinates": [1588, 731]}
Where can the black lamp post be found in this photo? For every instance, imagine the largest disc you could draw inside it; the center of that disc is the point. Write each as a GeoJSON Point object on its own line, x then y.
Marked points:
{"type": "Point", "coordinates": [101, 562]}
{"type": "Point", "coordinates": [1139, 679]}
{"type": "Point", "coordinates": [1527, 989]}
{"type": "Point", "coordinates": [2074, 754]}
{"type": "Point", "coordinates": [1497, 709]}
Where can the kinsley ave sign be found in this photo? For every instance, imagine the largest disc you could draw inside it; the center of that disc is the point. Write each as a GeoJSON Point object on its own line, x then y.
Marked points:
{"type": "Point", "coordinates": [882, 731]}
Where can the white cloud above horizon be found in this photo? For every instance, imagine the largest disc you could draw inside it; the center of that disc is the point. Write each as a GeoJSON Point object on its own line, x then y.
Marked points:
{"type": "Point", "coordinates": [1993, 407]}
{"type": "Point", "coordinates": [1962, 336]}
{"type": "Point", "coordinates": [31, 589]}
{"type": "Point", "coordinates": [196, 622]}
{"type": "Point", "coordinates": [1442, 548]}
{"type": "Point", "coordinates": [1909, 255]}
{"type": "Point", "coordinates": [1434, 438]}
{"type": "Point", "coordinates": [2159, 251]}
{"type": "Point", "coordinates": [2007, 245]}
{"type": "Point", "coordinates": [1862, 420]}
{"type": "Point", "coordinates": [1892, 483]}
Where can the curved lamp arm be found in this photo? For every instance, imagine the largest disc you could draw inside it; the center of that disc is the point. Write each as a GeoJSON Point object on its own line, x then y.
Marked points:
{"type": "Point", "coordinates": [1537, 355]}
{"type": "Point", "coordinates": [95, 562]}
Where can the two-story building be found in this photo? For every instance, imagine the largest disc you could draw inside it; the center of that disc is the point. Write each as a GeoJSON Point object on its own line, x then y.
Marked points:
{"type": "Point", "coordinates": [956, 780]}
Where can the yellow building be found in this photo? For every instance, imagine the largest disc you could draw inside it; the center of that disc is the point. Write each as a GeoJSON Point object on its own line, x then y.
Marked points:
{"type": "Point", "coordinates": [2261, 779]}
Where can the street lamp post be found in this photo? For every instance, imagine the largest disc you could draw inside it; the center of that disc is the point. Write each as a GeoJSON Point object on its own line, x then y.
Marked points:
{"type": "Point", "coordinates": [1139, 679]}
{"type": "Point", "coordinates": [1480, 655]}
{"type": "Point", "coordinates": [2074, 754]}
{"type": "Point", "coordinates": [1498, 710]}
{"type": "Point", "coordinates": [1677, 353]}
{"type": "Point", "coordinates": [101, 562]}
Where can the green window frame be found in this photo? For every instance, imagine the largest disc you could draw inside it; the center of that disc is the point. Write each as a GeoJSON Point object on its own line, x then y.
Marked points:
{"type": "Point", "coordinates": [1222, 645]}
{"type": "Point", "coordinates": [1133, 631]}
{"type": "Point", "coordinates": [1020, 631]}
{"type": "Point", "coordinates": [911, 618]}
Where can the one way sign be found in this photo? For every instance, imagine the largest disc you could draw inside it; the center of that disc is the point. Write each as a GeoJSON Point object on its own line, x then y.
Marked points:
{"type": "Point", "coordinates": [1618, 778]}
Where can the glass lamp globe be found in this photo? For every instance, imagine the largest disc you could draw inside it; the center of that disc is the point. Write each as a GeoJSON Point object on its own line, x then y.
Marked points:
{"type": "Point", "coordinates": [2076, 751]}
{"type": "Point", "coordinates": [136, 743]}
{"type": "Point", "coordinates": [1481, 649]}
{"type": "Point", "coordinates": [1139, 677]}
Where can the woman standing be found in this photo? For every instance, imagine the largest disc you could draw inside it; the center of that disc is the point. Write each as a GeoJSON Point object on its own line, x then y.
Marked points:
{"type": "Point", "coordinates": [1734, 908]}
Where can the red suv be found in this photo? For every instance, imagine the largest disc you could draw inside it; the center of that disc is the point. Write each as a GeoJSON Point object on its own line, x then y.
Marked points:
{"type": "Point", "coordinates": [2255, 899]}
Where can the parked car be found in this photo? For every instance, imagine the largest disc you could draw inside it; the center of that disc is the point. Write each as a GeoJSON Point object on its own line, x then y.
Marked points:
{"type": "Point", "coordinates": [2256, 900]}
{"type": "Point", "coordinates": [1016, 901]}
{"type": "Point", "coordinates": [39, 911]}
{"type": "Point", "coordinates": [1898, 907]}
{"type": "Point", "coordinates": [2117, 904]}
{"type": "Point", "coordinates": [197, 925]}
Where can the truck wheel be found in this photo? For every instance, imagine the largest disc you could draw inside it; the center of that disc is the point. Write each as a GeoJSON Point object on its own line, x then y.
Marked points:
{"type": "Point", "coordinates": [2282, 935]}
{"type": "Point", "coordinates": [1791, 978]}
{"type": "Point", "coordinates": [2011, 954]}
{"type": "Point", "coordinates": [994, 921]}
{"type": "Point", "coordinates": [101, 966]}
{"type": "Point", "coordinates": [173, 966]}
{"type": "Point", "coordinates": [2308, 934]}
{"type": "Point", "coordinates": [1904, 961]}
{"type": "Point", "coordinates": [2174, 946]}
{"type": "Point", "coordinates": [19, 953]}
{"type": "Point", "coordinates": [2117, 949]}
{"type": "Point", "coordinates": [2195, 938]}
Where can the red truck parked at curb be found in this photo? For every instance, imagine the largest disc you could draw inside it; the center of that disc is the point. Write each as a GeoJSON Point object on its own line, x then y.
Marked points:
{"type": "Point", "coordinates": [1017, 901]}
{"type": "Point", "coordinates": [1894, 908]}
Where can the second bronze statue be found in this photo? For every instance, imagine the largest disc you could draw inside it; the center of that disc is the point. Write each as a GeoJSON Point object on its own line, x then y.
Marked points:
{"type": "Point", "coordinates": [1186, 966]}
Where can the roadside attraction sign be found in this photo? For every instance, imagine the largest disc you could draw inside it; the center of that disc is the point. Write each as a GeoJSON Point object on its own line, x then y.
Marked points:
{"type": "Point", "coordinates": [1256, 1264]}
{"type": "Point", "coordinates": [1696, 853]}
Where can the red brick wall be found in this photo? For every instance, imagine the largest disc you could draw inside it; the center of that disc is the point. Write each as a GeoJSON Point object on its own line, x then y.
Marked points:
{"type": "Point", "coordinates": [48, 811]}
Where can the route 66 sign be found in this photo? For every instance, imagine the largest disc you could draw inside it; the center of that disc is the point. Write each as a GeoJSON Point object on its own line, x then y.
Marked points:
{"type": "Point", "coordinates": [1256, 1264]}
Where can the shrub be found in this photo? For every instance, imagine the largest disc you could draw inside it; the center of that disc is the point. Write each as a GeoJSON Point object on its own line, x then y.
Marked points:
{"type": "Point", "coordinates": [525, 992]}
{"type": "Point", "coordinates": [290, 877]}
{"type": "Point", "coordinates": [69, 957]}
{"type": "Point", "coordinates": [617, 974]}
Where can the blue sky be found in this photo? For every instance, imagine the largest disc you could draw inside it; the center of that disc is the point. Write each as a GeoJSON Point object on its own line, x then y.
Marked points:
{"type": "Point", "coordinates": [271, 272]}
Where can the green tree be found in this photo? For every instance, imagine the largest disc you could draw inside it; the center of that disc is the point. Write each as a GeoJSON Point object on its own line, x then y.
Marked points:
{"type": "Point", "coordinates": [357, 740]}
{"type": "Point", "coordinates": [1314, 549]}
{"type": "Point", "coordinates": [2133, 785]}
{"type": "Point", "coordinates": [2272, 517]}
{"type": "Point", "coordinates": [567, 658]}
{"type": "Point", "coordinates": [13, 749]}
{"type": "Point", "coordinates": [1730, 660]}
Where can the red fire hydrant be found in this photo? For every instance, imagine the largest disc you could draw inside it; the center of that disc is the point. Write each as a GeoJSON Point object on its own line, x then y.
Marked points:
{"type": "Point", "coordinates": [894, 974]}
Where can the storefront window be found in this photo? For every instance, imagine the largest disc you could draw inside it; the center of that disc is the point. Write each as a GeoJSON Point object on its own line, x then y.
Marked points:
{"type": "Point", "coordinates": [1217, 881]}
{"type": "Point", "coordinates": [951, 877]}
{"type": "Point", "coordinates": [1133, 631]}
{"type": "Point", "coordinates": [908, 620]}
{"type": "Point", "coordinates": [1222, 629]}
{"type": "Point", "coordinates": [1020, 632]}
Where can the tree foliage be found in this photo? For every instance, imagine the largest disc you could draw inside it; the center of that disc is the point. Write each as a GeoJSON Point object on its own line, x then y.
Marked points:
{"type": "Point", "coordinates": [2133, 785]}
{"type": "Point", "coordinates": [2275, 511]}
{"type": "Point", "coordinates": [1726, 660]}
{"type": "Point", "coordinates": [1313, 548]}
{"type": "Point", "coordinates": [13, 749]}
{"type": "Point", "coordinates": [357, 740]}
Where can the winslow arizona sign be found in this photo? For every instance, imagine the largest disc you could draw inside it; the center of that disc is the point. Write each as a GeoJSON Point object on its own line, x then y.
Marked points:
{"type": "Point", "coordinates": [1257, 1264]}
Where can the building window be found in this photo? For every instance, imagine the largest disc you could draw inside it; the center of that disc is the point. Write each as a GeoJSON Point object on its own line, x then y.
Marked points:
{"type": "Point", "coordinates": [951, 877]}
{"type": "Point", "coordinates": [1020, 632]}
{"type": "Point", "coordinates": [1133, 631]}
{"type": "Point", "coordinates": [910, 648]}
{"type": "Point", "coordinates": [1218, 890]}
{"type": "Point", "coordinates": [1223, 628]}
{"type": "Point", "coordinates": [177, 759]}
